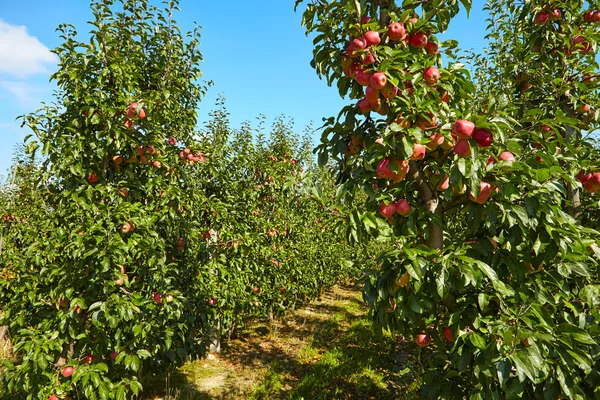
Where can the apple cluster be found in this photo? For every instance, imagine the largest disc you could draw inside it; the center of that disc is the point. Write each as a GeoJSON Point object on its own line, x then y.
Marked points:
{"type": "Point", "coordinates": [589, 180]}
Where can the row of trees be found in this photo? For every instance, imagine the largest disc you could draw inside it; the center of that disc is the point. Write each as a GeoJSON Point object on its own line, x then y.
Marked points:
{"type": "Point", "coordinates": [484, 182]}
{"type": "Point", "coordinates": [137, 241]}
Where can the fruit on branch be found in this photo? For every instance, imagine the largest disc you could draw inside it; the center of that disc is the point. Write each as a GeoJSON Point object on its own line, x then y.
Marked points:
{"type": "Point", "coordinates": [389, 91]}
{"type": "Point", "coordinates": [555, 14]}
{"type": "Point", "coordinates": [53, 397]}
{"type": "Point", "coordinates": [463, 129]}
{"type": "Point", "coordinates": [418, 152]}
{"type": "Point", "coordinates": [363, 78]}
{"type": "Point", "coordinates": [418, 40]}
{"type": "Point", "coordinates": [378, 80]}
{"type": "Point", "coordinates": [157, 164]}
{"type": "Point", "coordinates": [212, 301]}
{"type": "Point", "coordinates": [584, 177]}
{"type": "Point", "coordinates": [371, 95]}
{"type": "Point", "coordinates": [67, 371]}
{"type": "Point", "coordinates": [431, 76]}
{"type": "Point", "coordinates": [365, 19]}
{"type": "Point", "coordinates": [445, 97]}
{"type": "Point", "coordinates": [507, 156]}
{"type": "Point", "coordinates": [483, 137]}
{"type": "Point", "coordinates": [383, 170]}
{"type": "Point", "coordinates": [583, 108]}
{"type": "Point", "coordinates": [372, 38]}
{"type": "Point", "coordinates": [126, 227]}
{"type": "Point", "coordinates": [368, 58]}
{"type": "Point", "coordinates": [355, 47]}
{"type": "Point", "coordinates": [444, 184]}
{"type": "Point", "coordinates": [462, 148]}
{"type": "Point", "coordinates": [88, 359]}
{"type": "Point", "coordinates": [128, 124]}
{"type": "Point", "coordinates": [172, 141]}
{"type": "Point", "coordinates": [157, 297]}
{"type": "Point", "coordinates": [448, 334]}
{"type": "Point", "coordinates": [422, 339]}
{"type": "Point", "coordinates": [92, 178]}
{"type": "Point", "coordinates": [541, 18]}
{"type": "Point", "coordinates": [387, 210]}
{"type": "Point", "coordinates": [403, 207]}
{"type": "Point", "coordinates": [485, 190]}
{"type": "Point", "coordinates": [436, 140]}
{"type": "Point", "coordinates": [364, 106]}
{"type": "Point", "coordinates": [432, 48]}
{"type": "Point", "coordinates": [396, 32]}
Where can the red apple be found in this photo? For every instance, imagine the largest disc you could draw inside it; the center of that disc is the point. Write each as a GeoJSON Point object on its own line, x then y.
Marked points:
{"type": "Point", "coordinates": [157, 164]}
{"type": "Point", "coordinates": [436, 140]}
{"type": "Point", "coordinates": [256, 289]}
{"type": "Point", "coordinates": [541, 18]}
{"type": "Point", "coordinates": [444, 184]}
{"type": "Point", "coordinates": [403, 207]}
{"type": "Point", "coordinates": [422, 339]}
{"type": "Point", "coordinates": [365, 19]}
{"type": "Point", "coordinates": [555, 14]}
{"type": "Point", "coordinates": [483, 137]}
{"type": "Point", "coordinates": [368, 58]}
{"type": "Point", "coordinates": [432, 48]}
{"type": "Point", "coordinates": [172, 141]}
{"type": "Point", "coordinates": [462, 148]}
{"type": "Point", "coordinates": [157, 297]}
{"type": "Point", "coordinates": [378, 80]}
{"type": "Point", "coordinates": [64, 303]}
{"type": "Point", "coordinates": [372, 38]}
{"type": "Point", "coordinates": [491, 160]}
{"type": "Point", "coordinates": [418, 152]}
{"type": "Point", "coordinates": [485, 190]}
{"type": "Point", "coordinates": [124, 192]}
{"type": "Point", "coordinates": [126, 227]}
{"type": "Point", "coordinates": [396, 32]}
{"type": "Point", "coordinates": [463, 129]}
{"type": "Point", "coordinates": [445, 97]}
{"type": "Point", "coordinates": [135, 109]}
{"type": "Point", "coordinates": [389, 91]}
{"type": "Point", "coordinates": [583, 108]}
{"type": "Point", "coordinates": [448, 334]}
{"type": "Point", "coordinates": [88, 359]}
{"type": "Point", "coordinates": [355, 47]}
{"type": "Point", "coordinates": [431, 76]}
{"type": "Point", "coordinates": [387, 210]}
{"type": "Point", "coordinates": [128, 124]}
{"type": "Point", "coordinates": [212, 301]}
{"type": "Point", "coordinates": [92, 178]}
{"type": "Point", "coordinates": [507, 156]}
{"type": "Point", "coordinates": [364, 106]}
{"type": "Point", "coordinates": [596, 16]}
{"type": "Point", "coordinates": [114, 355]}
{"type": "Point", "coordinates": [53, 397]}
{"type": "Point", "coordinates": [67, 371]}
{"type": "Point", "coordinates": [418, 40]}
{"type": "Point", "coordinates": [588, 16]}
{"type": "Point", "coordinates": [371, 95]}
{"type": "Point", "coordinates": [363, 78]}
{"type": "Point", "coordinates": [583, 177]}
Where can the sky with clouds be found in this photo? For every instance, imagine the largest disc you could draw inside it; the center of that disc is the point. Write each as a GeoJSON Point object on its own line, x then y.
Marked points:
{"type": "Point", "coordinates": [256, 54]}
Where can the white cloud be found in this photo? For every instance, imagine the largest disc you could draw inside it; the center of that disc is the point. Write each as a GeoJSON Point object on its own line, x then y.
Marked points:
{"type": "Point", "coordinates": [27, 95]}
{"type": "Point", "coordinates": [22, 54]}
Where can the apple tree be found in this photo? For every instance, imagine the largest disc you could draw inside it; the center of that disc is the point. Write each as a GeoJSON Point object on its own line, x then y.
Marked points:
{"type": "Point", "coordinates": [103, 291]}
{"type": "Point", "coordinates": [484, 181]}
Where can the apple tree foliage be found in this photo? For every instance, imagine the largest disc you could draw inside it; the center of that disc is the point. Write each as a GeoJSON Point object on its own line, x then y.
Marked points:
{"type": "Point", "coordinates": [102, 284]}
{"type": "Point", "coordinates": [483, 179]}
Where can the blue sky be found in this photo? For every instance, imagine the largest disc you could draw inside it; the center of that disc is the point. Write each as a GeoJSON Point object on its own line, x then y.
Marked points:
{"type": "Point", "coordinates": [256, 53]}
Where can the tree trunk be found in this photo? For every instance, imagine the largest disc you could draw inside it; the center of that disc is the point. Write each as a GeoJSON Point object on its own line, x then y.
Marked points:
{"type": "Point", "coordinates": [3, 332]}
{"type": "Point", "coordinates": [214, 335]}
{"type": "Point", "coordinates": [432, 204]}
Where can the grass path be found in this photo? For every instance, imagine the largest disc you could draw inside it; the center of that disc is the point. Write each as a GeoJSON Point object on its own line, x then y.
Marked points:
{"type": "Point", "coordinates": [324, 351]}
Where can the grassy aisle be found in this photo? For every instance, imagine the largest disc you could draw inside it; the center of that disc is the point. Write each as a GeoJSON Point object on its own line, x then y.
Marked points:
{"type": "Point", "coordinates": [323, 351]}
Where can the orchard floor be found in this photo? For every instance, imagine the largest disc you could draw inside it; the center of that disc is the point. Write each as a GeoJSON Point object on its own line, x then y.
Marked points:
{"type": "Point", "coordinates": [325, 350]}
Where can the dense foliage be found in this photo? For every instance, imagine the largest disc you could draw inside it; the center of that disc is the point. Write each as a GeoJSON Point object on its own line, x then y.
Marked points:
{"type": "Point", "coordinates": [485, 183]}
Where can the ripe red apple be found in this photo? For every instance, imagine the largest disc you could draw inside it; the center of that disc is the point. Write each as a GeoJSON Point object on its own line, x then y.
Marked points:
{"type": "Point", "coordinates": [396, 32]}
{"type": "Point", "coordinates": [92, 178]}
{"type": "Point", "coordinates": [114, 355]}
{"type": "Point", "coordinates": [389, 91]}
{"type": "Point", "coordinates": [124, 192]}
{"type": "Point", "coordinates": [364, 106]}
{"type": "Point", "coordinates": [53, 397]}
{"type": "Point", "coordinates": [67, 371]}
{"type": "Point", "coordinates": [445, 97]}
{"type": "Point", "coordinates": [378, 80]}
{"type": "Point", "coordinates": [436, 140]}
{"type": "Point", "coordinates": [126, 227]}
{"type": "Point", "coordinates": [483, 137]}
{"type": "Point", "coordinates": [128, 124]}
{"type": "Point", "coordinates": [418, 40]}
{"type": "Point", "coordinates": [157, 297]}
{"type": "Point", "coordinates": [157, 164]}
{"type": "Point", "coordinates": [555, 14]}
{"type": "Point", "coordinates": [583, 108]}
{"type": "Point", "coordinates": [463, 129]}
{"type": "Point", "coordinates": [371, 95]}
{"type": "Point", "coordinates": [422, 339]}
{"type": "Point", "coordinates": [402, 207]}
{"type": "Point", "coordinates": [588, 16]}
{"type": "Point", "coordinates": [596, 16]}
{"type": "Point", "coordinates": [64, 303]}
{"type": "Point", "coordinates": [387, 210]}
{"type": "Point", "coordinates": [444, 184]}
{"type": "Point", "coordinates": [372, 38]}
{"type": "Point", "coordinates": [541, 18]}
{"type": "Point", "coordinates": [365, 19]}
{"type": "Point", "coordinates": [418, 152]}
{"type": "Point", "coordinates": [172, 141]}
{"type": "Point", "coordinates": [431, 76]}
{"type": "Point", "coordinates": [462, 148]}
{"type": "Point", "coordinates": [355, 47]}
{"type": "Point", "coordinates": [135, 109]}
{"type": "Point", "coordinates": [485, 190]}
{"type": "Point", "coordinates": [256, 289]}
{"type": "Point", "coordinates": [583, 177]}
{"type": "Point", "coordinates": [368, 58]}
{"type": "Point", "coordinates": [363, 78]}
{"type": "Point", "coordinates": [88, 359]}
{"type": "Point", "coordinates": [507, 156]}
{"type": "Point", "coordinates": [448, 334]}
{"type": "Point", "coordinates": [212, 301]}
{"type": "Point", "coordinates": [432, 48]}
{"type": "Point", "coordinates": [383, 170]}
